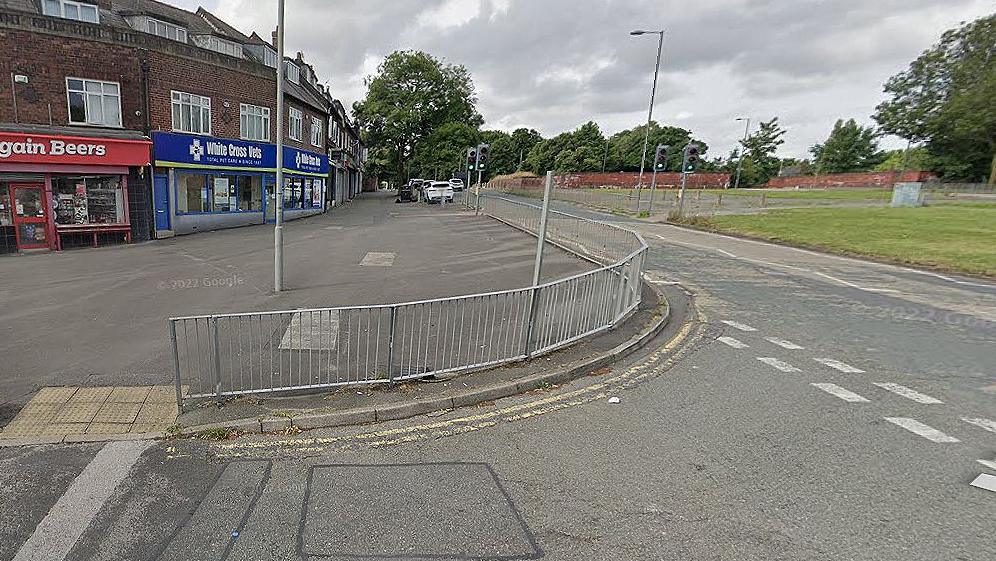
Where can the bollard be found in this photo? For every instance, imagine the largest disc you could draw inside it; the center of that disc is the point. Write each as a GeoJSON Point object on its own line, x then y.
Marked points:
{"type": "Point", "coordinates": [719, 200]}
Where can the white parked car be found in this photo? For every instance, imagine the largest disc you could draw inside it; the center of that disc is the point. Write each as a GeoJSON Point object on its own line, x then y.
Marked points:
{"type": "Point", "coordinates": [438, 191]}
{"type": "Point", "coordinates": [457, 184]}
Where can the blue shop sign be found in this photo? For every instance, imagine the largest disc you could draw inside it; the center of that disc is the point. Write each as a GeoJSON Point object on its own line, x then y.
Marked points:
{"type": "Point", "coordinates": [301, 161]}
{"type": "Point", "coordinates": [207, 152]}
{"type": "Point", "coordinates": [194, 151]}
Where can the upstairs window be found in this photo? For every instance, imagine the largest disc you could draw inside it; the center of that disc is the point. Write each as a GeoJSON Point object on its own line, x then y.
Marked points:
{"type": "Point", "coordinates": [269, 57]}
{"type": "Point", "coordinates": [191, 113]}
{"type": "Point", "coordinates": [167, 30]}
{"type": "Point", "coordinates": [92, 102]}
{"type": "Point", "coordinates": [219, 45]}
{"type": "Point", "coordinates": [69, 9]}
{"type": "Point", "coordinates": [292, 72]}
{"type": "Point", "coordinates": [316, 132]}
{"type": "Point", "coordinates": [295, 123]}
{"type": "Point", "coordinates": [254, 122]}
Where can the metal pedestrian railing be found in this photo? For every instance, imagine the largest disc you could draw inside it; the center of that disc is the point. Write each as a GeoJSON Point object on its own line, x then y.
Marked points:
{"type": "Point", "coordinates": [222, 355]}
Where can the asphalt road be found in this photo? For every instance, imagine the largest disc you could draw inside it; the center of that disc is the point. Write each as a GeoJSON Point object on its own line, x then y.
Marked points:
{"type": "Point", "coordinates": [812, 408]}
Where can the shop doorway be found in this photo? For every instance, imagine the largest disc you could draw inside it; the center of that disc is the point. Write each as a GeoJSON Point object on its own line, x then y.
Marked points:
{"type": "Point", "coordinates": [30, 215]}
{"type": "Point", "coordinates": [160, 190]}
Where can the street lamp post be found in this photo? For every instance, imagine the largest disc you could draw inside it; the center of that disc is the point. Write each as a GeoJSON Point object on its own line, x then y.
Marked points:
{"type": "Point", "coordinates": [278, 228]}
{"type": "Point", "coordinates": [740, 160]}
{"type": "Point", "coordinates": [650, 113]}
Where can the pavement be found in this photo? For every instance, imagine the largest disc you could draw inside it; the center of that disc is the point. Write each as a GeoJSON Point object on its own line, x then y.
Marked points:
{"type": "Point", "coordinates": [97, 317]}
{"type": "Point", "coordinates": [810, 407]}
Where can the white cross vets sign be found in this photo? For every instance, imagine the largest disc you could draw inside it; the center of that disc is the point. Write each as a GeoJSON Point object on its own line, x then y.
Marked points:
{"type": "Point", "coordinates": [196, 150]}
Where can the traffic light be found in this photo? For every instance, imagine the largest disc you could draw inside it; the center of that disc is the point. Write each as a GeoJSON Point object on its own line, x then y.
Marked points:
{"type": "Point", "coordinates": [660, 157]}
{"type": "Point", "coordinates": [690, 161]}
{"type": "Point", "coordinates": [482, 156]}
{"type": "Point", "coordinates": [471, 158]}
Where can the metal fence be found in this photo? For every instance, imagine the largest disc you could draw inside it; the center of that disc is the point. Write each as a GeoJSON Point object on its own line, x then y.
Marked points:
{"type": "Point", "coordinates": [243, 353]}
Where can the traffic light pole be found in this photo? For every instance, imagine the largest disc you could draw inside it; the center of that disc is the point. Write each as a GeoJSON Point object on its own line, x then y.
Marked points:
{"type": "Point", "coordinates": [653, 187]}
{"type": "Point", "coordinates": [681, 196]}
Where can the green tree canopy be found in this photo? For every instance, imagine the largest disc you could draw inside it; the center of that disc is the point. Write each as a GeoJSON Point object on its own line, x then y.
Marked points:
{"type": "Point", "coordinates": [626, 147]}
{"type": "Point", "coordinates": [760, 163]}
{"type": "Point", "coordinates": [945, 98]}
{"type": "Point", "coordinates": [578, 150]}
{"type": "Point", "coordinates": [411, 95]}
{"type": "Point", "coordinates": [850, 147]}
{"type": "Point", "coordinates": [443, 152]}
{"type": "Point", "coordinates": [916, 159]}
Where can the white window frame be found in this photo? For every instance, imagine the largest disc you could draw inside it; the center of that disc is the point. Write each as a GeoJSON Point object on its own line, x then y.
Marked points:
{"type": "Point", "coordinates": [200, 102]}
{"type": "Point", "coordinates": [89, 92]}
{"type": "Point", "coordinates": [316, 132]}
{"type": "Point", "coordinates": [292, 72]}
{"type": "Point", "coordinates": [269, 57]}
{"type": "Point", "coordinates": [79, 7]}
{"type": "Point", "coordinates": [153, 26]}
{"type": "Point", "coordinates": [247, 112]}
{"type": "Point", "coordinates": [295, 123]}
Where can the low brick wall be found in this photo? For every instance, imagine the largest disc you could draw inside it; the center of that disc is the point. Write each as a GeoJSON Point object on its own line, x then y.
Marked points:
{"type": "Point", "coordinates": [838, 180]}
{"type": "Point", "coordinates": [625, 180]}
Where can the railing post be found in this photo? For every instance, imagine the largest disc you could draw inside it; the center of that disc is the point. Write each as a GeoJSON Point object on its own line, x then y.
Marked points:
{"type": "Point", "coordinates": [217, 360]}
{"type": "Point", "coordinates": [533, 304]}
{"type": "Point", "coordinates": [620, 293]}
{"type": "Point", "coordinates": [176, 366]}
{"type": "Point", "coordinates": [390, 346]}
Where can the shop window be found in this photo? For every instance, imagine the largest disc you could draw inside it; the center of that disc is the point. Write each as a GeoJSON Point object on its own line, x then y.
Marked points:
{"type": "Point", "coordinates": [92, 102]}
{"type": "Point", "coordinates": [191, 113]}
{"type": "Point", "coordinates": [295, 123]}
{"type": "Point", "coordinates": [93, 199]}
{"type": "Point", "coordinates": [191, 193]}
{"type": "Point", "coordinates": [293, 191]}
{"type": "Point", "coordinates": [197, 192]}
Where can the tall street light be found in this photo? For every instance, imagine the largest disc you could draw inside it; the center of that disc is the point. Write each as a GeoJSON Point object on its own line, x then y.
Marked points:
{"type": "Point", "coordinates": [278, 228]}
{"type": "Point", "coordinates": [740, 160]}
{"type": "Point", "coordinates": [650, 114]}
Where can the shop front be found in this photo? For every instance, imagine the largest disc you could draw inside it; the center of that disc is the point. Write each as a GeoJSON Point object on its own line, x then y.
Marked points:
{"type": "Point", "coordinates": [59, 190]}
{"type": "Point", "coordinates": [206, 183]}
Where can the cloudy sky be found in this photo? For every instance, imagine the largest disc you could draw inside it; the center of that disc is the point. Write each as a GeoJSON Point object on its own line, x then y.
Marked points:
{"type": "Point", "coordinates": [555, 64]}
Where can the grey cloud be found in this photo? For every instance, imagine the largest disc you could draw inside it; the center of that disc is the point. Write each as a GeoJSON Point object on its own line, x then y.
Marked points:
{"type": "Point", "coordinates": [554, 64]}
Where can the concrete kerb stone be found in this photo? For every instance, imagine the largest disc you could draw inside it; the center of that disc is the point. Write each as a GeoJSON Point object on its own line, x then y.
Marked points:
{"type": "Point", "coordinates": [480, 395]}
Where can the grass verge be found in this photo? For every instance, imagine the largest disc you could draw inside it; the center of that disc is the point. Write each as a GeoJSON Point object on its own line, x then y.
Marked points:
{"type": "Point", "coordinates": [952, 238]}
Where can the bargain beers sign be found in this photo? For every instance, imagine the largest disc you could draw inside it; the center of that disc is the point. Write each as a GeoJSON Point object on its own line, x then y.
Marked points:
{"type": "Point", "coordinates": [48, 149]}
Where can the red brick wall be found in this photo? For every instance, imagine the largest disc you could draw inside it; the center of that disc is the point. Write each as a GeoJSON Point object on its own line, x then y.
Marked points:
{"type": "Point", "coordinates": [630, 179]}
{"type": "Point", "coordinates": [835, 180]}
{"type": "Point", "coordinates": [47, 60]}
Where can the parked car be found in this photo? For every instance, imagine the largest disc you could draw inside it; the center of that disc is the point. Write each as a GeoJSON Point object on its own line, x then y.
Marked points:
{"type": "Point", "coordinates": [438, 191]}
{"type": "Point", "coordinates": [457, 184]}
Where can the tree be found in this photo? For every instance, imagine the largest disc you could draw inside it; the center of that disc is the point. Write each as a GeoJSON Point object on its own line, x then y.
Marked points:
{"type": "Point", "coordinates": [760, 163]}
{"type": "Point", "coordinates": [412, 95]}
{"type": "Point", "coordinates": [916, 159]}
{"type": "Point", "coordinates": [850, 147]}
{"type": "Point", "coordinates": [626, 147]}
{"type": "Point", "coordinates": [945, 99]}
{"type": "Point", "coordinates": [443, 152]}
{"type": "Point", "coordinates": [578, 150]}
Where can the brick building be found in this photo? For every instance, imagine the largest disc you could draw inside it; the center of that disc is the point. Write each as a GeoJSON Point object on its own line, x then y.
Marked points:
{"type": "Point", "coordinates": [174, 112]}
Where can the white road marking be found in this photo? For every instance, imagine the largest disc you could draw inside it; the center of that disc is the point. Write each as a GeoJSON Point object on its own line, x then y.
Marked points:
{"type": "Point", "coordinates": [738, 325]}
{"type": "Point", "coordinates": [783, 265]}
{"type": "Point", "coordinates": [985, 481]}
{"type": "Point", "coordinates": [784, 344]}
{"type": "Point", "coordinates": [735, 343]}
{"type": "Point", "coordinates": [989, 464]}
{"type": "Point", "coordinates": [908, 393]}
{"type": "Point", "coordinates": [316, 331]}
{"type": "Point", "coordinates": [918, 428]}
{"type": "Point", "coordinates": [986, 424]}
{"type": "Point", "coordinates": [71, 515]}
{"type": "Point", "coordinates": [377, 259]}
{"type": "Point", "coordinates": [845, 394]}
{"type": "Point", "coordinates": [783, 366]}
{"type": "Point", "coordinates": [838, 365]}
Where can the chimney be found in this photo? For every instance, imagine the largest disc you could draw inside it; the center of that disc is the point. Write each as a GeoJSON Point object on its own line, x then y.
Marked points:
{"type": "Point", "coordinates": [273, 38]}
{"type": "Point", "coordinates": [300, 56]}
